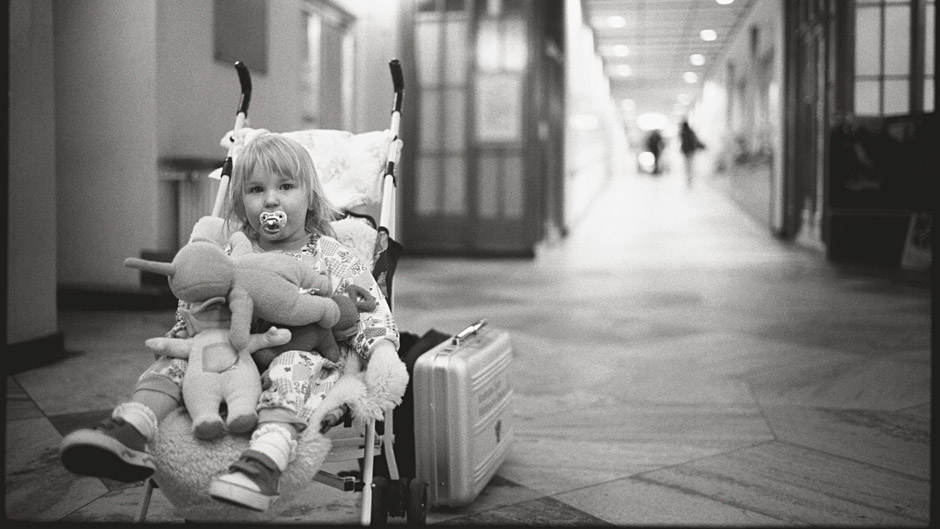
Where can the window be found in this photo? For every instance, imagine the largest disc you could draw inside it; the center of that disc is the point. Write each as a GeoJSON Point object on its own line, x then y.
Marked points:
{"type": "Point", "coordinates": [886, 46]}
{"type": "Point", "coordinates": [326, 77]}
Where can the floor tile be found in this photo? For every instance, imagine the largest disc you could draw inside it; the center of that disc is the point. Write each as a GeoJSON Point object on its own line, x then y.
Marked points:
{"type": "Point", "coordinates": [37, 487]}
{"type": "Point", "coordinates": [19, 405]}
{"type": "Point", "coordinates": [884, 439]}
{"type": "Point", "coordinates": [638, 502]}
{"type": "Point", "coordinates": [801, 486]}
{"type": "Point", "coordinates": [540, 512]}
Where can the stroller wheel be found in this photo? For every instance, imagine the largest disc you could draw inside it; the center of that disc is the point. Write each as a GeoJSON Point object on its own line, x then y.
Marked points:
{"type": "Point", "coordinates": [379, 516]}
{"type": "Point", "coordinates": [417, 509]}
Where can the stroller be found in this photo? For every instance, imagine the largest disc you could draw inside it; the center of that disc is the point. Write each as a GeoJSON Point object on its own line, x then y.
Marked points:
{"type": "Point", "coordinates": [185, 465]}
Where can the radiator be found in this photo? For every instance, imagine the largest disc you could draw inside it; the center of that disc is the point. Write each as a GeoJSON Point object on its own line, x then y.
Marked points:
{"type": "Point", "coordinates": [194, 192]}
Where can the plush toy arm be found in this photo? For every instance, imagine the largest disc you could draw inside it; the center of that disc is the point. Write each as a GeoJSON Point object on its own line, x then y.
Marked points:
{"type": "Point", "coordinates": [272, 338]}
{"type": "Point", "coordinates": [175, 347]}
{"type": "Point", "coordinates": [242, 310]}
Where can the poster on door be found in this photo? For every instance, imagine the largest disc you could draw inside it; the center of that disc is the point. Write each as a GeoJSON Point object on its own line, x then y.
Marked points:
{"type": "Point", "coordinates": [499, 108]}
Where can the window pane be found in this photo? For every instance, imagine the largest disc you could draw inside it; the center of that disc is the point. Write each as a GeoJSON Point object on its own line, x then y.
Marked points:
{"type": "Point", "coordinates": [512, 187]}
{"type": "Point", "coordinates": [930, 38]}
{"type": "Point", "coordinates": [455, 185]}
{"type": "Point", "coordinates": [515, 49]}
{"type": "Point", "coordinates": [897, 97]}
{"type": "Point", "coordinates": [488, 51]}
{"type": "Point", "coordinates": [427, 5]}
{"type": "Point", "coordinates": [488, 192]}
{"type": "Point", "coordinates": [898, 40]}
{"type": "Point", "coordinates": [867, 38]}
{"type": "Point", "coordinates": [427, 46]}
{"type": "Point", "coordinates": [455, 122]}
{"type": "Point", "coordinates": [457, 52]}
{"type": "Point", "coordinates": [430, 121]}
{"type": "Point", "coordinates": [428, 184]}
{"type": "Point", "coordinates": [866, 98]}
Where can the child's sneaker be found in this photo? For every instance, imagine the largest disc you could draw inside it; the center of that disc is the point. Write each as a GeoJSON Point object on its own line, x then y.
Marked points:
{"type": "Point", "coordinates": [252, 482]}
{"type": "Point", "coordinates": [113, 449]}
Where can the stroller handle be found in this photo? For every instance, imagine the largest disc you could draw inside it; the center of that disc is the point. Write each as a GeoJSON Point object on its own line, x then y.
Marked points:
{"type": "Point", "coordinates": [244, 79]}
{"type": "Point", "coordinates": [398, 81]}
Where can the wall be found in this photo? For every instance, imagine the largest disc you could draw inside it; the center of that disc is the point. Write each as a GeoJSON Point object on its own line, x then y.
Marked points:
{"type": "Point", "coordinates": [105, 138]}
{"type": "Point", "coordinates": [31, 222]}
{"type": "Point", "coordinates": [747, 128]}
{"type": "Point", "coordinates": [595, 142]}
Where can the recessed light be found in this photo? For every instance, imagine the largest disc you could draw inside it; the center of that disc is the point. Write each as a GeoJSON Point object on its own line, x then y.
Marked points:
{"type": "Point", "coordinates": [623, 70]}
{"type": "Point", "coordinates": [690, 77]}
{"type": "Point", "coordinates": [708, 35]}
{"type": "Point", "coordinates": [697, 59]}
{"type": "Point", "coordinates": [620, 50]}
{"type": "Point", "coordinates": [616, 21]}
{"type": "Point", "coordinates": [724, 2]}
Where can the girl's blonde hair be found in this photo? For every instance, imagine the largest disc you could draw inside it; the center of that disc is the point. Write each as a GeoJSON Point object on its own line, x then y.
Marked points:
{"type": "Point", "coordinates": [286, 157]}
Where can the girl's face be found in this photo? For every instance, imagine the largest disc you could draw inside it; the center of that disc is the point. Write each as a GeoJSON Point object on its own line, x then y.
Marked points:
{"type": "Point", "coordinates": [267, 192]}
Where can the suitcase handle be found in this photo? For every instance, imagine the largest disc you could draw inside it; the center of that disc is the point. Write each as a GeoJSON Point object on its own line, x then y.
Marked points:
{"type": "Point", "coordinates": [468, 332]}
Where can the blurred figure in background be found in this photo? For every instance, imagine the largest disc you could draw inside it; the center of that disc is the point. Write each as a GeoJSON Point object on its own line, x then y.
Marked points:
{"type": "Point", "coordinates": [655, 144]}
{"type": "Point", "coordinates": [689, 145]}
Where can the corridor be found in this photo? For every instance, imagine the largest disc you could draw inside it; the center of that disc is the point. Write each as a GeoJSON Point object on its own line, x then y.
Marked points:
{"type": "Point", "coordinates": [674, 364]}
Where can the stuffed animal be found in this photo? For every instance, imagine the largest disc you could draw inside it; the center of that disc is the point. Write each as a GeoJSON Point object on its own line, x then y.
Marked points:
{"type": "Point", "coordinates": [313, 337]}
{"type": "Point", "coordinates": [274, 287]}
{"type": "Point", "coordinates": [216, 372]}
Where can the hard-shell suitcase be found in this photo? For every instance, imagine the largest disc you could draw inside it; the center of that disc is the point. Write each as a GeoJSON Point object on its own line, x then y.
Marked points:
{"type": "Point", "coordinates": [463, 415]}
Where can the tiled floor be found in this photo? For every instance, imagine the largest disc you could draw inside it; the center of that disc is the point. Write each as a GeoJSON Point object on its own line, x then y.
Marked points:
{"type": "Point", "coordinates": [674, 364]}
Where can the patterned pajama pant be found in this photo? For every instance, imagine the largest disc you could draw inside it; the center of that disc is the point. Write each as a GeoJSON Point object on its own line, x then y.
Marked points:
{"type": "Point", "coordinates": [293, 386]}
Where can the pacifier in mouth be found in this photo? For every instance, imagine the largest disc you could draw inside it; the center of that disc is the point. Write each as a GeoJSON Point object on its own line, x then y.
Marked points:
{"type": "Point", "coordinates": [273, 222]}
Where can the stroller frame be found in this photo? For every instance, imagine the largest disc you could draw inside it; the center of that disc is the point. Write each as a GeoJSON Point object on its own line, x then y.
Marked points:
{"type": "Point", "coordinates": [380, 497]}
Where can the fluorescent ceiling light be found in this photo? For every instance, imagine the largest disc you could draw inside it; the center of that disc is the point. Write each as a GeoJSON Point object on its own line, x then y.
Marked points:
{"type": "Point", "coordinates": [616, 21]}
{"type": "Point", "coordinates": [623, 70]}
{"type": "Point", "coordinates": [724, 2]}
{"type": "Point", "coordinates": [697, 59]}
{"type": "Point", "coordinates": [652, 121]}
{"type": "Point", "coordinates": [690, 77]}
{"type": "Point", "coordinates": [708, 35]}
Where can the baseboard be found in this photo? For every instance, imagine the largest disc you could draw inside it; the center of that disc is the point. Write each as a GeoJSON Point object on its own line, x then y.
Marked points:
{"type": "Point", "coordinates": [98, 297]}
{"type": "Point", "coordinates": [34, 353]}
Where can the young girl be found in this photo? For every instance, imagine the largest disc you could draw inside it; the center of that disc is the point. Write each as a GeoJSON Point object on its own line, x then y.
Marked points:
{"type": "Point", "coordinates": [276, 198]}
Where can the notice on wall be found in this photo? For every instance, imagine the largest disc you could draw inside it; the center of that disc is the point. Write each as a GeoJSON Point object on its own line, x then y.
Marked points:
{"type": "Point", "coordinates": [499, 108]}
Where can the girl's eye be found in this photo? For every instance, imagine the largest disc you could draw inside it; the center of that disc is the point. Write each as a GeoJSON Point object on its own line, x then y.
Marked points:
{"type": "Point", "coordinates": [287, 187]}
{"type": "Point", "coordinates": [255, 189]}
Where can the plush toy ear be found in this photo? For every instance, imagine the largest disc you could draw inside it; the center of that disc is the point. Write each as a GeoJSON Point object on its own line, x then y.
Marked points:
{"type": "Point", "coordinates": [361, 296]}
{"type": "Point", "coordinates": [167, 269]}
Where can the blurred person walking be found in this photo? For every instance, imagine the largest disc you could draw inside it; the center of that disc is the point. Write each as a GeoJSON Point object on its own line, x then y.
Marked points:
{"type": "Point", "coordinates": [689, 144]}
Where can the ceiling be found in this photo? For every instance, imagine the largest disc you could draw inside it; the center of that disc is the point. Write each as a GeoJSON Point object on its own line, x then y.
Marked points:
{"type": "Point", "coordinates": [660, 36]}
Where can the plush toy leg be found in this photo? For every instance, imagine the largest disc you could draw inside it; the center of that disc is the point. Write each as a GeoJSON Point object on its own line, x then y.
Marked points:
{"type": "Point", "coordinates": [202, 396]}
{"type": "Point", "coordinates": [242, 398]}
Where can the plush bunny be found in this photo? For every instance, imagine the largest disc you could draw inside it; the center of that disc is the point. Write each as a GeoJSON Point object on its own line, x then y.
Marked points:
{"type": "Point", "coordinates": [216, 372]}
